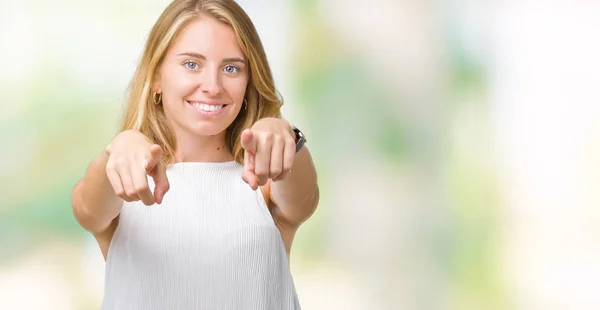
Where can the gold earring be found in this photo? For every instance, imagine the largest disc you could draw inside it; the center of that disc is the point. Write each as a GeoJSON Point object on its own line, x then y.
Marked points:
{"type": "Point", "coordinates": [245, 104]}
{"type": "Point", "coordinates": [157, 101]}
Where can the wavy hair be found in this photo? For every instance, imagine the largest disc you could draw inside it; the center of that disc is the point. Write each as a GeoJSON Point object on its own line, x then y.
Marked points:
{"type": "Point", "coordinates": [262, 98]}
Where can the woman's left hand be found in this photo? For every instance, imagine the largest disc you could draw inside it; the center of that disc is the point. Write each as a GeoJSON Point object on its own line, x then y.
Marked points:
{"type": "Point", "coordinates": [269, 150]}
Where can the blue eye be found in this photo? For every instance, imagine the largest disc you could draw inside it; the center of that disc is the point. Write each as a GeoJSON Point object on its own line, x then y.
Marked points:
{"type": "Point", "coordinates": [191, 65]}
{"type": "Point", "coordinates": [231, 69]}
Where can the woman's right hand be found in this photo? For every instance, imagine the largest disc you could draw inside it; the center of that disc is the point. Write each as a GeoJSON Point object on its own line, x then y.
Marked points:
{"type": "Point", "coordinates": [131, 158]}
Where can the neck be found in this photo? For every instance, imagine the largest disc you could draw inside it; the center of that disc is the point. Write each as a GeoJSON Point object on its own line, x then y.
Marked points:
{"type": "Point", "coordinates": [192, 148]}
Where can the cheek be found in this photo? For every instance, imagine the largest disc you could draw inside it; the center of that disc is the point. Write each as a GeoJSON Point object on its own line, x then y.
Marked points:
{"type": "Point", "coordinates": [175, 83]}
{"type": "Point", "coordinates": [236, 88]}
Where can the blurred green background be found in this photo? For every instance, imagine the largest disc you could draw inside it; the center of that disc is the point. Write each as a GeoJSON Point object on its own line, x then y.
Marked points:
{"type": "Point", "coordinates": [456, 142]}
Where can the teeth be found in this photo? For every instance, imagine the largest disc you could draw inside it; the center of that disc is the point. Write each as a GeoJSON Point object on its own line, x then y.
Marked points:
{"type": "Point", "coordinates": [207, 107]}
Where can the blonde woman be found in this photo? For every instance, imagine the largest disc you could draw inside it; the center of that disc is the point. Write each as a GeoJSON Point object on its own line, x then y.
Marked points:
{"type": "Point", "coordinates": [195, 203]}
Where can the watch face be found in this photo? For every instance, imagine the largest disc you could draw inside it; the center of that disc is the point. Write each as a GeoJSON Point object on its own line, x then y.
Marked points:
{"type": "Point", "coordinates": [300, 139]}
{"type": "Point", "coordinates": [299, 134]}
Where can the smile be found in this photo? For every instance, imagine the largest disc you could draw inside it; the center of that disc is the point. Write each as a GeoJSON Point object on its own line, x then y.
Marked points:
{"type": "Point", "coordinates": [206, 107]}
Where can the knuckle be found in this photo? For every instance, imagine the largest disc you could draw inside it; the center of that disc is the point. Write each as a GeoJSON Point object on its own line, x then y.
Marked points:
{"type": "Point", "coordinates": [268, 136]}
{"type": "Point", "coordinates": [130, 192]}
{"type": "Point", "coordinates": [111, 166]}
{"type": "Point", "coordinates": [275, 172]}
{"type": "Point", "coordinates": [120, 161]}
{"type": "Point", "coordinates": [109, 170]}
{"type": "Point", "coordinates": [146, 157]}
{"type": "Point", "coordinates": [290, 142]}
{"type": "Point", "coordinates": [148, 154]}
{"type": "Point", "coordinates": [141, 188]}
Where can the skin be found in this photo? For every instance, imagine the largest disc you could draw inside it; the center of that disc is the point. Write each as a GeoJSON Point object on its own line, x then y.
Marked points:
{"type": "Point", "coordinates": [205, 64]}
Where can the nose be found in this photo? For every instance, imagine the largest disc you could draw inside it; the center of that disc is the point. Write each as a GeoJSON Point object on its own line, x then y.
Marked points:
{"type": "Point", "coordinates": [211, 83]}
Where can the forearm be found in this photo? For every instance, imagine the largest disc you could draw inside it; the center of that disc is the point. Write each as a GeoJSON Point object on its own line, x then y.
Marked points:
{"type": "Point", "coordinates": [297, 195]}
{"type": "Point", "coordinates": [94, 202]}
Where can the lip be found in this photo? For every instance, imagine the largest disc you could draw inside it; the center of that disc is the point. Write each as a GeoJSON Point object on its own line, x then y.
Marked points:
{"type": "Point", "coordinates": [207, 102]}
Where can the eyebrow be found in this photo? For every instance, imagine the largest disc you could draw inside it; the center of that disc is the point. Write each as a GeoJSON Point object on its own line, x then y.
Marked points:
{"type": "Point", "coordinates": [200, 56]}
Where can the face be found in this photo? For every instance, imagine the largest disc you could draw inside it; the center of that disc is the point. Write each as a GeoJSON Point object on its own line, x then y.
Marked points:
{"type": "Point", "coordinates": [203, 79]}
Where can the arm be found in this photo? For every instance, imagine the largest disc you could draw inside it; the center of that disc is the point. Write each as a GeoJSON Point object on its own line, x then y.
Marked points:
{"type": "Point", "coordinates": [296, 197]}
{"type": "Point", "coordinates": [95, 203]}
{"type": "Point", "coordinates": [269, 155]}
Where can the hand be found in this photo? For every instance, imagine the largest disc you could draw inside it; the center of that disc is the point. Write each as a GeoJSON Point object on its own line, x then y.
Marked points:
{"type": "Point", "coordinates": [131, 157]}
{"type": "Point", "coordinates": [269, 151]}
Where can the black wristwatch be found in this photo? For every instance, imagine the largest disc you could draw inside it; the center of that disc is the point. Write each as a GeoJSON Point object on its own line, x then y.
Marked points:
{"type": "Point", "coordinates": [300, 138]}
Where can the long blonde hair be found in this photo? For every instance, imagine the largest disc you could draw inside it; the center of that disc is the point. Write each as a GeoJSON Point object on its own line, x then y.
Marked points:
{"type": "Point", "coordinates": [262, 98]}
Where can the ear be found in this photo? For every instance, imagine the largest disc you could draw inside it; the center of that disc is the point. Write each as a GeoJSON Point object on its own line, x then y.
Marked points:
{"type": "Point", "coordinates": [156, 84]}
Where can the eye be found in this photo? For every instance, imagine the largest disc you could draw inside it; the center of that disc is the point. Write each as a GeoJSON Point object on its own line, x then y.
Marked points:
{"type": "Point", "coordinates": [190, 65]}
{"type": "Point", "coordinates": [231, 69]}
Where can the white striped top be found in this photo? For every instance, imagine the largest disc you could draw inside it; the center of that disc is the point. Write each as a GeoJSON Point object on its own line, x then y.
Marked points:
{"type": "Point", "coordinates": [212, 244]}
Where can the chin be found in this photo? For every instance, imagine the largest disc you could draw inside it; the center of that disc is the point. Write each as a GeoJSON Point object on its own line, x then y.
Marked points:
{"type": "Point", "coordinates": [198, 124]}
{"type": "Point", "coordinates": [208, 129]}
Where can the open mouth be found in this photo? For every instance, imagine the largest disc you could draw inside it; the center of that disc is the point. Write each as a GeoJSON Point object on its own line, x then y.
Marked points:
{"type": "Point", "coordinates": [207, 107]}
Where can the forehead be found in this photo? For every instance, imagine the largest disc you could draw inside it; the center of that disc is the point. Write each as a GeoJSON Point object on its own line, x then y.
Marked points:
{"type": "Point", "coordinates": [207, 36]}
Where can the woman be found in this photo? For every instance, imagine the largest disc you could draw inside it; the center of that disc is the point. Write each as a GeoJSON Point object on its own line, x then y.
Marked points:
{"type": "Point", "coordinates": [195, 203]}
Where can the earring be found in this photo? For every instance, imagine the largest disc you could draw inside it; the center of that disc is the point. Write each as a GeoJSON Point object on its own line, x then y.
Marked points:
{"type": "Point", "coordinates": [245, 104]}
{"type": "Point", "coordinates": [157, 101]}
